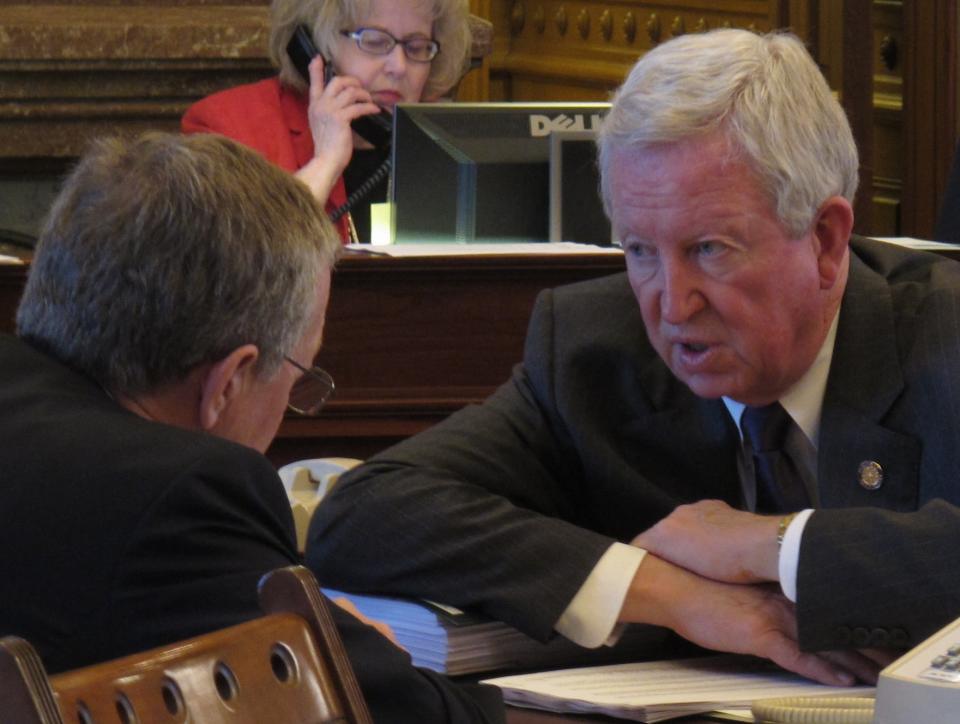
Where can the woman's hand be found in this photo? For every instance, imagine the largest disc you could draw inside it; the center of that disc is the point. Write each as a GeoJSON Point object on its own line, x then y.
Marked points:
{"type": "Point", "coordinates": [332, 107]}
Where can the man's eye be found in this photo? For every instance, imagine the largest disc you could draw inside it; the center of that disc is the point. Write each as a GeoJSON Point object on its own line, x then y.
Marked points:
{"type": "Point", "coordinates": [708, 248]}
{"type": "Point", "coordinates": [640, 251]}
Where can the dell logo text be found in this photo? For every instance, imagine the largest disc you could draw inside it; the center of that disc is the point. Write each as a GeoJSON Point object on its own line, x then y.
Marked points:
{"type": "Point", "coordinates": [541, 125]}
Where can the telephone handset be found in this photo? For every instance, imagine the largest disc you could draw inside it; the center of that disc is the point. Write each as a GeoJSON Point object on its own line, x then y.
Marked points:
{"type": "Point", "coordinates": [376, 128]}
{"type": "Point", "coordinates": [923, 685]}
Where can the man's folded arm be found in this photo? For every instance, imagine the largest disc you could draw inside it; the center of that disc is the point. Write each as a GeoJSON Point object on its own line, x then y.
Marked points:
{"type": "Point", "coordinates": [898, 572]}
{"type": "Point", "coordinates": [592, 616]}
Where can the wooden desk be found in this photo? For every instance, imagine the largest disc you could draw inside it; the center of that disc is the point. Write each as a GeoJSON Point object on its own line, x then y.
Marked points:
{"type": "Point", "coordinates": [408, 341]}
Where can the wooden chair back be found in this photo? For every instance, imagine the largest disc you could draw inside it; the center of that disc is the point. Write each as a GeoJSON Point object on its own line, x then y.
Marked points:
{"type": "Point", "coordinates": [286, 666]}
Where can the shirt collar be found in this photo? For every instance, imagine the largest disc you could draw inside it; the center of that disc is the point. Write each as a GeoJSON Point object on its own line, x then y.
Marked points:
{"type": "Point", "coordinates": [804, 400]}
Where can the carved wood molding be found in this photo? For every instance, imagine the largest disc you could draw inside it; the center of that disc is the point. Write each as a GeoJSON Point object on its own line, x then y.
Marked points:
{"type": "Point", "coordinates": [70, 72]}
{"type": "Point", "coordinates": [594, 43]}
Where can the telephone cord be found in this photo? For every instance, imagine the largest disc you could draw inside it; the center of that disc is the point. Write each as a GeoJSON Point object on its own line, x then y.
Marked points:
{"type": "Point", "coordinates": [814, 710]}
{"type": "Point", "coordinates": [362, 190]}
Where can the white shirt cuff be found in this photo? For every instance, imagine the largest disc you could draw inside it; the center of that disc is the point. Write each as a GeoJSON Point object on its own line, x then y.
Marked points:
{"type": "Point", "coordinates": [789, 559]}
{"type": "Point", "coordinates": [590, 618]}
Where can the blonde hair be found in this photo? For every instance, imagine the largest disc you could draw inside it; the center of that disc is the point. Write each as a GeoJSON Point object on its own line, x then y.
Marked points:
{"type": "Point", "coordinates": [326, 18]}
{"type": "Point", "coordinates": [764, 93]}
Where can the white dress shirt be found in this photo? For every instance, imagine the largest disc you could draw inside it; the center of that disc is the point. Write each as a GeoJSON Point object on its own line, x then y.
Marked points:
{"type": "Point", "coordinates": [591, 618]}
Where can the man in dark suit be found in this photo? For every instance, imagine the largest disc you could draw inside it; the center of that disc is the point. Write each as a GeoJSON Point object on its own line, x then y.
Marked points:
{"type": "Point", "coordinates": [728, 170]}
{"type": "Point", "coordinates": [173, 309]}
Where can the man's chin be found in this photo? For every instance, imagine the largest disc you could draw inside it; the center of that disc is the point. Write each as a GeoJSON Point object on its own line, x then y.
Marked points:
{"type": "Point", "coordinates": [711, 387]}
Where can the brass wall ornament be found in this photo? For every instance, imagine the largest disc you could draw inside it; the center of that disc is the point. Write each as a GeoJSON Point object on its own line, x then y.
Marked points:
{"type": "Point", "coordinates": [518, 16]}
{"type": "Point", "coordinates": [677, 27]}
{"type": "Point", "coordinates": [653, 28]}
{"type": "Point", "coordinates": [539, 20]}
{"type": "Point", "coordinates": [629, 27]}
{"type": "Point", "coordinates": [606, 25]}
{"type": "Point", "coordinates": [702, 26]}
{"type": "Point", "coordinates": [583, 23]}
{"type": "Point", "coordinates": [561, 19]}
{"type": "Point", "coordinates": [889, 52]}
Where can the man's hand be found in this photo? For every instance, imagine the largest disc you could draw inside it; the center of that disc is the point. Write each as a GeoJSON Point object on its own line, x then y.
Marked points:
{"type": "Point", "coordinates": [384, 628]}
{"type": "Point", "coordinates": [716, 541]}
{"type": "Point", "coordinates": [743, 619]}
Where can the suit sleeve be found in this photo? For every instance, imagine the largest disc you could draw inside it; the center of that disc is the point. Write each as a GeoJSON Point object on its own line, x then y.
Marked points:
{"type": "Point", "coordinates": [877, 565]}
{"type": "Point", "coordinates": [399, 693]}
{"type": "Point", "coordinates": [875, 578]}
{"type": "Point", "coordinates": [196, 567]}
{"type": "Point", "coordinates": [475, 512]}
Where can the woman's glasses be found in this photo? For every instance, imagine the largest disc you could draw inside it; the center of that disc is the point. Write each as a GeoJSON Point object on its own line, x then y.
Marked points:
{"type": "Point", "coordinates": [380, 42]}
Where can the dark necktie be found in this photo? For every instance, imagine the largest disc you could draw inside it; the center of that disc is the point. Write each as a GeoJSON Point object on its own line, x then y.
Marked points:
{"type": "Point", "coordinates": [780, 487]}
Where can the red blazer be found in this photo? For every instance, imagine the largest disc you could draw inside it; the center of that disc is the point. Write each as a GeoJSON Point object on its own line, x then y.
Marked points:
{"type": "Point", "coordinates": [269, 118]}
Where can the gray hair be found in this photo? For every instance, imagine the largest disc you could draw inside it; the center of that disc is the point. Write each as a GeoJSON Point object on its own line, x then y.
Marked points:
{"type": "Point", "coordinates": [167, 252]}
{"type": "Point", "coordinates": [764, 93]}
{"type": "Point", "coordinates": [326, 18]}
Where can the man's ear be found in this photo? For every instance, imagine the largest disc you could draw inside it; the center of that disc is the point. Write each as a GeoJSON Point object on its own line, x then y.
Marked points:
{"type": "Point", "coordinates": [831, 230]}
{"type": "Point", "coordinates": [223, 382]}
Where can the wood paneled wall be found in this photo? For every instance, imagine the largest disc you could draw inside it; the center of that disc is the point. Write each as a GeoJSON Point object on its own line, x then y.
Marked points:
{"type": "Point", "coordinates": [72, 69]}
{"type": "Point", "coordinates": [892, 63]}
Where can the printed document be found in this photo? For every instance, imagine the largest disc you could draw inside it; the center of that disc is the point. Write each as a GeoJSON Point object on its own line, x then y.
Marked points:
{"type": "Point", "coordinates": [655, 691]}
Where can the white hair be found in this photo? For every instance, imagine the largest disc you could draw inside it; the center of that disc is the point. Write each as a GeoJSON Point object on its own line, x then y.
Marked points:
{"type": "Point", "coordinates": [764, 93]}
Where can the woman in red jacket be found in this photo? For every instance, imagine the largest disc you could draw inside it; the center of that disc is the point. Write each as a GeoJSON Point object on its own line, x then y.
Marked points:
{"type": "Point", "coordinates": [379, 52]}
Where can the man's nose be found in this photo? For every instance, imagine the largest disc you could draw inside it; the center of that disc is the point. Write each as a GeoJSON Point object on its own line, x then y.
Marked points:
{"type": "Point", "coordinates": [680, 298]}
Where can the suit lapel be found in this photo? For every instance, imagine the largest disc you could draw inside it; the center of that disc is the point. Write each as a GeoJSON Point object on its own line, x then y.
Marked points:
{"type": "Point", "coordinates": [699, 434]}
{"type": "Point", "coordinates": [865, 380]}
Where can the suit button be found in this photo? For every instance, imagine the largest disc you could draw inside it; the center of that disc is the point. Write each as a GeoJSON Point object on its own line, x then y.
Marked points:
{"type": "Point", "coordinates": [899, 638]}
{"type": "Point", "coordinates": [880, 638]}
{"type": "Point", "coordinates": [843, 635]}
{"type": "Point", "coordinates": [860, 637]}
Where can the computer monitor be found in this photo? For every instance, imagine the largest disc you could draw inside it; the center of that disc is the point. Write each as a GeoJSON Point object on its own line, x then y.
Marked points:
{"type": "Point", "coordinates": [477, 172]}
{"type": "Point", "coordinates": [576, 207]}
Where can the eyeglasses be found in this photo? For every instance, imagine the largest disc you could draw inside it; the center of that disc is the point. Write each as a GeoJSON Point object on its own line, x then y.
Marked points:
{"type": "Point", "coordinates": [380, 42]}
{"type": "Point", "coordinates": [311, 391]}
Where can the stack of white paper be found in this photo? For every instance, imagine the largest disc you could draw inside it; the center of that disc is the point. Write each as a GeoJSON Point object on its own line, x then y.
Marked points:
{"type": "Point", "coordinates": [450, 641]}
{"type": "Point", "coordinates": [659, 690]}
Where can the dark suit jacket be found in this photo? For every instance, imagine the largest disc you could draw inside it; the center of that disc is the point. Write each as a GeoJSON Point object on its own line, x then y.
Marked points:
{"type": "Point", "coordinates": [508, 505]}
{"type": "Point", "coordinates": [120, 534]}
{"type": "Point", "coordinates": [267, 117]}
